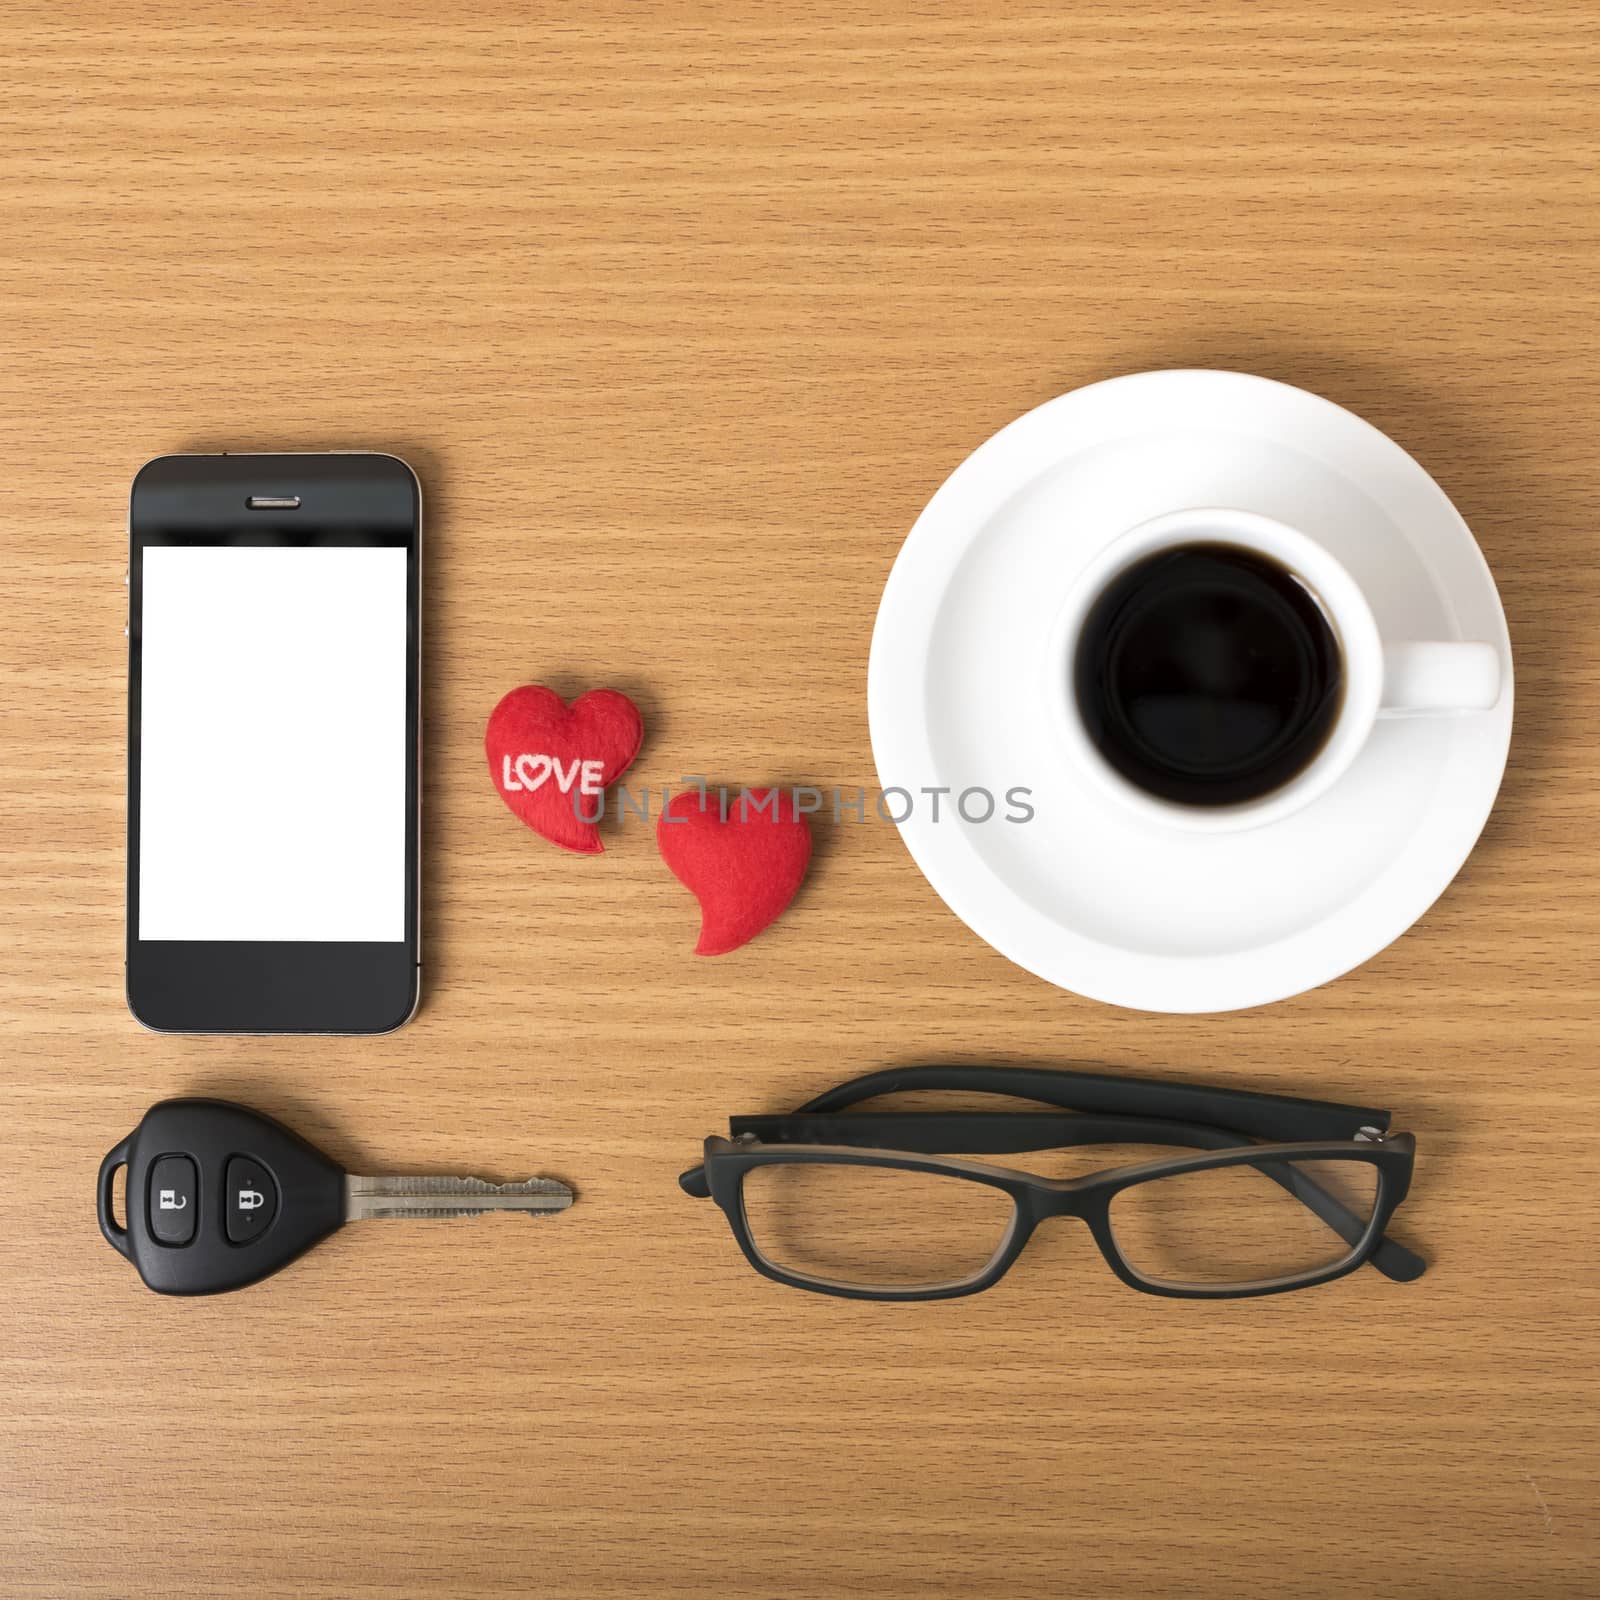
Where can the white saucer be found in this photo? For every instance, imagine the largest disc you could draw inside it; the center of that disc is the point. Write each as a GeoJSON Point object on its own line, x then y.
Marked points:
{"type": "Point", "coordinates": [1086, 895]}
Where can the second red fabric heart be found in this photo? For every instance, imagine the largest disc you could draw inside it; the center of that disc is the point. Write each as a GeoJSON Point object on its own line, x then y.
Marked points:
{"type": "Point", "coordinates": [744, 868]}
{"type": "Point", "coordinates": [550, 760]}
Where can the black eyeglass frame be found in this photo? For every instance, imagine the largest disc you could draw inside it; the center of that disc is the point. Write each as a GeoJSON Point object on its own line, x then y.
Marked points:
{"type": "Point", "coordinates": [1110, 1110]}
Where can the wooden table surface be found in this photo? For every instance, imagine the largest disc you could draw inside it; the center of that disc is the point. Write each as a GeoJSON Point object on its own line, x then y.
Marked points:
{"type": "Point", "coordinates": [681, 315]}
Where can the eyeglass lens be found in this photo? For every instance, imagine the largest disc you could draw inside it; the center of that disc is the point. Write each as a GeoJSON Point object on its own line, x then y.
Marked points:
{"type": "Point", "coordinates": [873, 1227]}
{"type": "Point", "coordinates": [1244, 1224]}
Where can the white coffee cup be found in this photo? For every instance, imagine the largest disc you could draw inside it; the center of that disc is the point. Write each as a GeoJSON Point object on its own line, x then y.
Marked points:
{"type": "Point", "coordinates": [1381, 677]}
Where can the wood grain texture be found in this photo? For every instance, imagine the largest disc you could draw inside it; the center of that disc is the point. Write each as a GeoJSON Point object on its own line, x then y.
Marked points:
{"type": "Point", "coordinates": [682, 313]}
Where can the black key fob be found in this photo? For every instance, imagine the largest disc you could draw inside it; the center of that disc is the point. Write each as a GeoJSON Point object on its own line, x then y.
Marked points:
{"type": "Point", "coordinates": [217, 1197]}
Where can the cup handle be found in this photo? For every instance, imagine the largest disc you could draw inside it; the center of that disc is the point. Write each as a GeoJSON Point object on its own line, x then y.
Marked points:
{"type": "Point", "coordinates": [1445, 676]}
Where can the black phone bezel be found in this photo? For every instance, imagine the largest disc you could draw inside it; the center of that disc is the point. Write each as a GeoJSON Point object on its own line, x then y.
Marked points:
{"type": "Point", "coordinates": [266, 987]}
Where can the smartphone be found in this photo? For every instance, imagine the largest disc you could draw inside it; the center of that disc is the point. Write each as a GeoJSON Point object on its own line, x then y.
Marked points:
{"type": "Point", "coordinates": [274, 666]}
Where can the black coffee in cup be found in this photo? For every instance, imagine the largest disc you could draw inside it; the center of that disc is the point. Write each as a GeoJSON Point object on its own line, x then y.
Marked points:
{"type": "Point", "coordinates": [1207, 674]}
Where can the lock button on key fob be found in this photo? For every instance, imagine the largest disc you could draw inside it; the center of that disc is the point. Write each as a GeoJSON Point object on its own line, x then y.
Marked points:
{"type": "Point", "coordinates": [249, 1200]}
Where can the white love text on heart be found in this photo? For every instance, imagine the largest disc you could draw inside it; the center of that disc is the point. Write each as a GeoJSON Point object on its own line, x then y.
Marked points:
{"type": "Point", "coordinates": [530, 772]}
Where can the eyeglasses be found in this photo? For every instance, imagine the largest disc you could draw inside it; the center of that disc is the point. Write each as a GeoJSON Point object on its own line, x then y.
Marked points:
{"type": "Point", "coordinates": [871, 1206]}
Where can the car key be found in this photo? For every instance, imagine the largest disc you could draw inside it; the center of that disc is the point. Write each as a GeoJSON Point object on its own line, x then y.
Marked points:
{"type": "Point", "coordinates": [219, 1196]}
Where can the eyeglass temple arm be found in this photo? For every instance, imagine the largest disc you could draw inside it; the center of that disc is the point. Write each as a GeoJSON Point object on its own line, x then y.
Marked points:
{"type": "Point", "coordinates": [1278, 1117]}
{"type": "Point", "coordinates": [1286, 1118]}
{"type": "Point", "coordinates": [1010, 1132]}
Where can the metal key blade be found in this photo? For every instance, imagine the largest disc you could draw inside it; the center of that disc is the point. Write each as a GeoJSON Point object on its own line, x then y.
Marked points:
{"type": "Point", "coordinates": [428, 1198]}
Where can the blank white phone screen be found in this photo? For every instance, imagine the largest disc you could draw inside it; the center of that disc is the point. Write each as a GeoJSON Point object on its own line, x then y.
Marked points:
{"type": "Point", "coordinates": [272, 735]}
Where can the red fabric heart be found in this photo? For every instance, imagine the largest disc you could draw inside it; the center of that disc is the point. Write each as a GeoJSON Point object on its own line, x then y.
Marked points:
{"type": "Point", "coordinates": [549, 759]}
{"type": "Point", "coordinates": [743, 868]}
